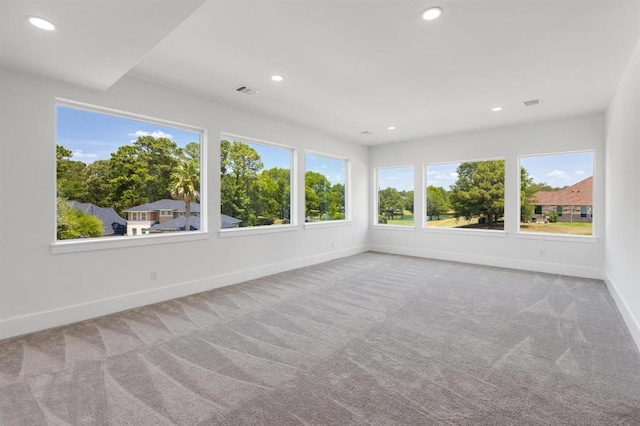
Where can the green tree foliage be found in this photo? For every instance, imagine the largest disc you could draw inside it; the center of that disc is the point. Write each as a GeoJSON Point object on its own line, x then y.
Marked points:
{"type": "Point", "coordinates": [390, 201]}
{"type": "Point", "coordinates": [275, 193]}
{"type": "Point", "coordinates": [73, 223]}
{"type": "Point", "coordinates": [437, 202]}
{"type": "Point", "coordinates": [239, 168]}
{"type": "Point", "coordinates": [70, 182]}
{"type": "Point", "coordinates": [479, 191]}
{"type": "Point", "coordinates": [185, 186]}
{"type": "Point", "coordinates": [141, 172]}
{"type": "Point", "coordinates": [317, 194]}
{"type": "Point", "coordinates": [527, 195]}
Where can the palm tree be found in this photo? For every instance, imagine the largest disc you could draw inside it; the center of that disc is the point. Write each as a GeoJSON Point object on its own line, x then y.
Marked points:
{"type": "Point", "coordinates": [185, 186]}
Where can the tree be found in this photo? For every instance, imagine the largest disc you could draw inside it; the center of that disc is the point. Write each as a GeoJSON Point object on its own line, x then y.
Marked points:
{"type": "Point", "coordinates": [527, 195]}
{"type": "Point", "coordinates": [337, 201]}
{"type": "Point", "coordinates": [239, 167]}
{"type": "Point", "coordinates": [275, 193]}
{"type": "Point", "coordinates": [389, 201]}
{"type": "Point", "coordinates": [437, 201]}
{"type": "Point", "coordinates": [185, 186]}
{"type": "Point", "coordinates": [317, 193]}
{"type": "Point", "coordinates": [479, 191]}
{"type": "Point", "coordinates": [74, 223]}
{"type": "Point", "coordinates": [70, 181]}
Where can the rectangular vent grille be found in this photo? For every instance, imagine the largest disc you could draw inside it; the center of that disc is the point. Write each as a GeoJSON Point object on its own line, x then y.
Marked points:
{"type": "Point", "coordinates": [247, 90]}
{"type": "Point", "coordinates": [532, 102]}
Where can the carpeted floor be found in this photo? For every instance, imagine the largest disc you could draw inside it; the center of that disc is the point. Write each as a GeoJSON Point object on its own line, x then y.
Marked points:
{"type": "Point", "coordinates": [369, 339]}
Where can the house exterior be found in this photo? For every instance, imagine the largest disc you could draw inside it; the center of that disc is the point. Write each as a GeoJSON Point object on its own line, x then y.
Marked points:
{"type": "Point", "coordinates": [141, 218]}
{"type": "Point", "coordinates": [112, 222]}
{"type": "Point", "coordinates": [571, 204]}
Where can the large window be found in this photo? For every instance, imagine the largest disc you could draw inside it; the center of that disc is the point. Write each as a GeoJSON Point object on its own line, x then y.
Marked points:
{"type": "Point", "coordinates": [395, 196]}
{"type": "Point", "coordinates": [255, 183]}
{"type": "Point", "coordinates": [116, 174]}
{"type": "Point", "coordinates": [325, 188]}
{"type": "Point", "coordinates": [466, 195]}
{"type": "Point", "coordinates": [556, 193]}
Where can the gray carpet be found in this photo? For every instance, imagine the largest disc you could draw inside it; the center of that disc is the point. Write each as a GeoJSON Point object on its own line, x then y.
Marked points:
{"type": "Point", "coordinates": [369, 339]}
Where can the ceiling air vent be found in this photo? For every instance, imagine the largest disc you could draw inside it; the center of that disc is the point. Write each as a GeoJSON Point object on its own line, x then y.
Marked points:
{"type": "Point", "coordinates": [532, 102]}
{"type": "Point", "coordinates": [366, 133]}
{"type": "Point", "coordinates": [247, 90]}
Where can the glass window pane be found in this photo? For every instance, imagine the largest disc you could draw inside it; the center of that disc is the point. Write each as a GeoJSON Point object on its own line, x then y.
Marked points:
{"type": "Point", "coordinates": [112, 170]}
{"type": "Point", "coordinates": [325, 188]}
{"type": "Point", "coordinates": [467, 195]}
{"type": "Point", "coordinates": [562, 185]}
{"type": "Point", "coordinates": [255, 183]}
{"type": "Point", "coordinates": [395, 196]}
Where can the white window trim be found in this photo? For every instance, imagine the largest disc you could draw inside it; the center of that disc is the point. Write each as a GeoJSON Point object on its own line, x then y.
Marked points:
{"type": "Point", "coordinates": [102, 243]}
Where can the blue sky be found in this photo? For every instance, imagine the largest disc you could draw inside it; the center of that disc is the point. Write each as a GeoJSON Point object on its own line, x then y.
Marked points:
{"type": "Point", "coordinates": [94, 136]}
{"type": "Point", "coordinates": [400, 178]}
{"type": "Point", "coordinates": [559, 170]}
{"type": "Point", "coordinates": [332, 168]}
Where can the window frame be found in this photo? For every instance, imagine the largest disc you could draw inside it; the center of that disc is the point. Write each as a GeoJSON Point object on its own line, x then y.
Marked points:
{"type": "Point", "coordinates": [117, 242]}
{"type": "Point", "coordinates": [256, 230]}
{"type": "Point", "coordinates": [347, 190]}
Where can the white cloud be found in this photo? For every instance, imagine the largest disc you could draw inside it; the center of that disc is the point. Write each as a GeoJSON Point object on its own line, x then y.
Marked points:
{"type": "Point", "coordinates": [558, 174]}
{"type": "Point", "coordinates": [579, 172]}
{"type": "Point", "coordinates": [454, 175]}
{"type": "Point", "coordinates": [79, 154]}
{"type": "Point", "coordinates": [156, 134]}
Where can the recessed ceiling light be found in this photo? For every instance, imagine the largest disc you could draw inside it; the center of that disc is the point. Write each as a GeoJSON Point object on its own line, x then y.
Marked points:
{"type": "Point", "coordinates": [496, 109]}
{"type": "Point", "coordinates": [391, 127]}
{"type": "Point", "coordinates": [43, 24]}
{"type": "Point", "coordinates": [432, 13]}
{"type": "Point", "coordinates": [277, 77]}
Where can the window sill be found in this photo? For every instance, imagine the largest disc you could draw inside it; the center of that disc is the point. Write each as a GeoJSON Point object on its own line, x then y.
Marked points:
{"type": "Point", "coordinates": [109, 243]}
{"type": "Point", "coordinates": [256, 230]}
{"type": "Point", "coordinates": [470, 232]}
{"type": "Point", "coordinates": [394, 227]}
{"type": "Point", "coordinates": [586, 239]}
{"type": "Point", "coordinates": [326, 224]}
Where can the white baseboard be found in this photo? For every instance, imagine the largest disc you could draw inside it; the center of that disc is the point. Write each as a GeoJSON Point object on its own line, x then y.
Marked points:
{"type": "Point", "coordinates": [501, 262]}
{"type": "Point", "coordinates": [633, 324]}
{"type": "Point", "coordinates": [47, 319]}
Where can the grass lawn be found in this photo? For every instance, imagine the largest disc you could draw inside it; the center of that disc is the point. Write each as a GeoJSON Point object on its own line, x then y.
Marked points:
{"type": "Point", "coordinates": [406, 220]}
{"type": "Point", "coordinates": [572, 228]}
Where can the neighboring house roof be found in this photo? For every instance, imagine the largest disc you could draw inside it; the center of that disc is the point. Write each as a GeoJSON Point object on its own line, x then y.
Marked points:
{"type": "Point", "coordinates": [229, 222]}
{"type": "Point", "coordinates": [166, 204]}
{"type": "Point", "coordinates": [107, 215]}
{"type": "Point", "coordinates": [579, 194]}
{"type": "Point", "coordinates": [177, 224]}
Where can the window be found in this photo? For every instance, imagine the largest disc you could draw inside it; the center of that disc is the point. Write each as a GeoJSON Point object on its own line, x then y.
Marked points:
{"type": "Point", "coordinates": [165, 213]}
{"type": "Point", "coordinates": [467, 195]}
{"type": "Point", "coordinates": [108, 164]}
{"type": "Point", "coordinates": [562, 185]}
{"type": "Point", "coordinates": [255, 183]}
{"type": "Point", "coordinates": [395, 196]}
{"type": "Point", "coordinates": [324, 192]}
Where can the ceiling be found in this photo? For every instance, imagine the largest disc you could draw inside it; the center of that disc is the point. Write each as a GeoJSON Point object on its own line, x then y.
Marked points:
{"type": "Point", "coordinates": [349, 66]}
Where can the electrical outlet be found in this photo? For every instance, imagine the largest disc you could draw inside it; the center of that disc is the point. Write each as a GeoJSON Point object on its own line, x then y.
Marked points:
{"type": "Point", "coordinates": [332, 244]}
{"type": "Point", "coordinates": [542, 253]}
{"type": "Point", "coordinates": [154, 274]}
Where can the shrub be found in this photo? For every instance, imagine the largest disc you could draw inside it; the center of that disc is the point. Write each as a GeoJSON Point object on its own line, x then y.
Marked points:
{"type": "Point", "coordinates": [382, 219]}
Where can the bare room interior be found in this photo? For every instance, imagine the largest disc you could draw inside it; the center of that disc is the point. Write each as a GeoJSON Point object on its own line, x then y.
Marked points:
{"type": "Point", "coordinates": [361, 271]}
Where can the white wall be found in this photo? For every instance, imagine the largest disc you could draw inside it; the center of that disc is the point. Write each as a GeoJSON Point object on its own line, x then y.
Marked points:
{"type": "Point", "coordinates": [623, 196]}
{"type": "Point", "coordinates": [39, 289]}
{"type": "Point", "coordinates": [563, 255]}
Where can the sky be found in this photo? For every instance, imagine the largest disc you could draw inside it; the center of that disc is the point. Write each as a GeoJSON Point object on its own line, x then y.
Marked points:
{"type": "Point", "coordinates": [94, 136]}
{"type": "Point", "coordinates": [400, 178]}
{"type": "Point", "coordinates": [559, 170]}
{"type": "Point", "coordinates": [332, 168]}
